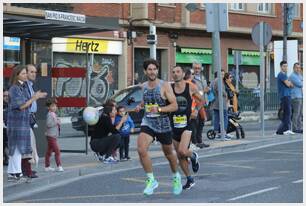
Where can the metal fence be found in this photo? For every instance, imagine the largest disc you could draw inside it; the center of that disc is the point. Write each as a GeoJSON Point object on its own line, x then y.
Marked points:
{"type": "Point", "coordinates": [250, 101]}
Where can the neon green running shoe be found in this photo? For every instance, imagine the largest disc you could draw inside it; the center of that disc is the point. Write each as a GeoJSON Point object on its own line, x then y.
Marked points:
{"type": "Point", "coordinates": [177, 185]}
{"type": "Point", "coordinates": [151, 184]}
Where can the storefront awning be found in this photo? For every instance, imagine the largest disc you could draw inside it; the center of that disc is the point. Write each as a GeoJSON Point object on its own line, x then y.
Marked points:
{"type": "Point", "coordinates": [190, 58]}
{"type": "Point", "coordinates": [195, 51]}
{"type": "Point", "coordinates": [204, 56]}
{"type": "Point", "coordinates": [39, 28]}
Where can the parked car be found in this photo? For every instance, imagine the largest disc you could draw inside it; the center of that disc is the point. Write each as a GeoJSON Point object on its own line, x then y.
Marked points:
{"type": "Point", "coordinates": [129, 98]}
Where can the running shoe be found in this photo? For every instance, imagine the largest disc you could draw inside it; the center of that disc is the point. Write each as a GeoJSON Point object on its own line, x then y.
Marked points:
{"type": "Point", "coordinates": [151, 184]}
{"type": "Point", "coordinates": [177, 185]}
{"type": "Point", "coordinates": [288, 132]}
{"type": "Point", "coordinates": [189, 184]}
{"type": "Point", "coordinates": [99, 157]}
{"type": "Point", "coordinates": [60, 169]}
{"type": "Point", "coordinates": [195, 163]}
{"type": "Point", "coordinates": [49, 169]}
{"type": "Point", "coordinates": [110, 160]}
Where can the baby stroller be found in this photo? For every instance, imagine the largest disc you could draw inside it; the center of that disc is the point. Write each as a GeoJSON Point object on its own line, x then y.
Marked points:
{"type": "Point", "coordinates": [233, 125]}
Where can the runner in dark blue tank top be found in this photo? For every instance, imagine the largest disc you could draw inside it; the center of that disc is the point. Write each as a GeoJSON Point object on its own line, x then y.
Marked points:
{"type": "Point", "coordinates": [158, 100]}
{"type": "Point", "coordinates": [180, 121]}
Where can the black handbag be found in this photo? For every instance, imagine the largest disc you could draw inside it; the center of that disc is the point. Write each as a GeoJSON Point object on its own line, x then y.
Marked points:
{"type": "Point", "coordinates": [32, 120]}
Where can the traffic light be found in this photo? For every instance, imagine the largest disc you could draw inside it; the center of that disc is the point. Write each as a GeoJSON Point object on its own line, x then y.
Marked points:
{"type": "Point", "coordinates": [151, 39]}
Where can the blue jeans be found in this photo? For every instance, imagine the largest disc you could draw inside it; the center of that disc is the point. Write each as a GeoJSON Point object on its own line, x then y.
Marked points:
{"type": "Point", "coordinates": [217, 120]}
{"type": "Point", "coordinates": [285, 124]}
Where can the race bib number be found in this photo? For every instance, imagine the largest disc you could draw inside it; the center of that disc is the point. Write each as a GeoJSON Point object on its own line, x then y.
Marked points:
{"type": "Point", "coordinates": [152, 110]}
{"type": "Point", "coordinates": [180, 121]}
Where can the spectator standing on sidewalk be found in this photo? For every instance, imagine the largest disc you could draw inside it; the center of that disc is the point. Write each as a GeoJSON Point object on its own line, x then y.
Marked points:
{"type": "Point", "coordinates": [203, 89]}
{"type": "Point", "coordinates": [158, 101]}
{"type": "Point", "coordinates": [18, 118]}
{"type": "Point", "coordinates": [5, 146]}
{"type": "Point", "coordinates": [125, 130]}
{"type": "Point", "coordinates": [180, 122]}
{"type": "Point", "coordinates": [52, 133]}
{"type": "Point", "coordinates": [231, 92]}
{"type": "Point", "coordinates": [195, 107]}
{"type": "Point", "coordinates": [284, 92]}
{"type": "Point", "coordinates": [105, 136]}
{"type": "Point", "coordinates": [26, 162]}
{"type": "Point", "coordinates": [297, 98]}
{"type": "Point", "coordinates": [215, 106]}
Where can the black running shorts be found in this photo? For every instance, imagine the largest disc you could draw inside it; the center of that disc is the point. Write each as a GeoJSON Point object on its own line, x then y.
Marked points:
{"type": "Point", "coordinates": [164, 138]}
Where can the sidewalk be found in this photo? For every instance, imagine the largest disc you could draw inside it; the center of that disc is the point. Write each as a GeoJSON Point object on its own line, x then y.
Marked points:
{"type": "Point", "coordinates": [81, 165]}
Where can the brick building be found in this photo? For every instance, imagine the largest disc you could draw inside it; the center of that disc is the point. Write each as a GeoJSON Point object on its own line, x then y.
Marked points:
{"type": "Point", "coordinates": [182, 36]}
{"type": "Point", "coordinates": [82, 62]}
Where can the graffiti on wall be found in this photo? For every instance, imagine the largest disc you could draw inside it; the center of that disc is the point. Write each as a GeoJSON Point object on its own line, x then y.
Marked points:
{"type": "Point", "coordinates": [102, 80]}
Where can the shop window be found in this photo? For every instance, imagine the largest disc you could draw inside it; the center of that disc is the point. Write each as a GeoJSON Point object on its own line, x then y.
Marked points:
{"type": "Point", "coordinates": [103, 81]}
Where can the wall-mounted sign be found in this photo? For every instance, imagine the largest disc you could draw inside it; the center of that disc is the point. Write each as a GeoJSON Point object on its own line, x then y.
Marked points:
{"type": "Point", "coordinates": [75, 45]}
{"type": "Point", "coordinates": [11, 43]}
{"type": "Point", "coordinates": [64, 16]}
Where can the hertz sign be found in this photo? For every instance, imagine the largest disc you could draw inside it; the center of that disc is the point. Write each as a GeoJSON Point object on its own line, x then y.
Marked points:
{"type": "Point", "coordinates": [75, 45]}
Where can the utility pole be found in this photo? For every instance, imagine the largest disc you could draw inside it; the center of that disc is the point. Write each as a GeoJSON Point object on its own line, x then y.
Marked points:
{"type": "Point", "coordinates": [152, 40]}
{"type": "Point", "coordinates": [216, 21]}
{"type": "Point", "coordinates": [285, 31]}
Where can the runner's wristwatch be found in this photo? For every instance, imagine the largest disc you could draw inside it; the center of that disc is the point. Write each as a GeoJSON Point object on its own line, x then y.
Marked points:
{"type": "Point", "coordinates": [159, 109]}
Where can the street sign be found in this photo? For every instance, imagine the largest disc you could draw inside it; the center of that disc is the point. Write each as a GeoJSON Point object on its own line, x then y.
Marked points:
{"type": "Point", "coordinates": [216, 17]}
{"type": "Point", "coordinates": [267, 34]}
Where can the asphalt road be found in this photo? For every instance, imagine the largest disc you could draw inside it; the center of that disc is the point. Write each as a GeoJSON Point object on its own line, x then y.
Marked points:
{"type": "Point", "coordinates": [268, 175]}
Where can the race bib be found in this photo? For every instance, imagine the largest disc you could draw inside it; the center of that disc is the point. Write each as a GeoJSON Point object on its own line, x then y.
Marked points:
{"type": "Point", "coordinates": [180, 121]}
{"type": "Point", "coordinates": [152, 110]}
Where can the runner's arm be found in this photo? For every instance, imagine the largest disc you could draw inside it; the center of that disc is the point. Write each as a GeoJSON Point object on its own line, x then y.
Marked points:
{"type": "Point", "coordinates": [168, 93]}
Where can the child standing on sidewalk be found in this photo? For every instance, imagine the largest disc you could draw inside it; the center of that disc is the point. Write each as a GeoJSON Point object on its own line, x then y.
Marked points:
{"type": "Point", "coordinates": [125, 130]}
{"type": "Point", "coordinates": [52, 133]}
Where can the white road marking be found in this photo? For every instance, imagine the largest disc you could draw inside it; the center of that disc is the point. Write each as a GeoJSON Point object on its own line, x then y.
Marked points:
{"type": "Point", "coordinates": [231, 165]}
{"type": "Point", "coordinates": [253, 193]}
{"type": "Point", "coordinates": [298, 181]}
{"type": "Point", "coordinates": [284, 152]}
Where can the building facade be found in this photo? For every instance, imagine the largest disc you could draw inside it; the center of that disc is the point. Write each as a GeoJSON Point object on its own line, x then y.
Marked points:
{"type": "Point", "coordinates": [181, 36]}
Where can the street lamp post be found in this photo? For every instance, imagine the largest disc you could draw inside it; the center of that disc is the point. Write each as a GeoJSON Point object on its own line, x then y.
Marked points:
{"type": "Point", "coordinates": [216, 21]}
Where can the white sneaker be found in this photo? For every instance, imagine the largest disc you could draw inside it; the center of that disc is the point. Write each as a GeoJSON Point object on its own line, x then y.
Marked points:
{"type": "Point", "coordinates": [230, 135]}
{"type": "Point", "coordinates": [49, 169]}
{"type": "Point", "coordinates": [59, 169]}
{"type": "Point", "coordinates": [288, 132]}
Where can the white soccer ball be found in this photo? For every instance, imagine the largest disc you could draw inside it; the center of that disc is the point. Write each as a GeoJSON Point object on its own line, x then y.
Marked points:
{"type": "Point", "coordinates": [91, 115]}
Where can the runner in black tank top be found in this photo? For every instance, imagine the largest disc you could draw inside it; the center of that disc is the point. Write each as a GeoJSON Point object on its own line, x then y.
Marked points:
{"type": "Point", "coordinates": [180, 118]}
{"type": "Point", "coordinates": [180, 124]}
